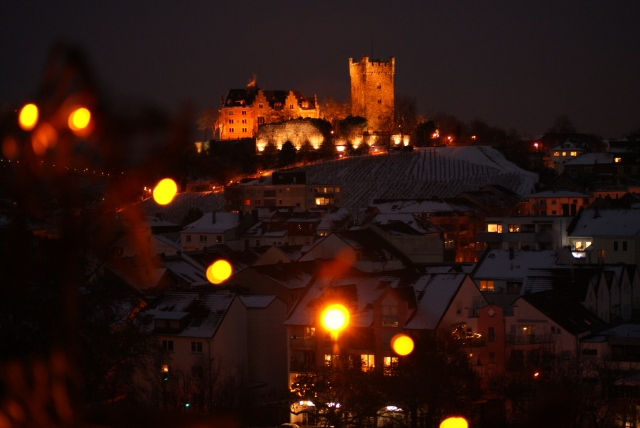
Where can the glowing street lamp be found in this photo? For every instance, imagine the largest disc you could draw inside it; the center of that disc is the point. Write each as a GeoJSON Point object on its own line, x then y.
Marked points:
{"type": "Point", "coordinates": [454, 422]}
{"type": "Point", "coordinates": [335, 318]}
{"type": "Point", "coordinates": [219, 271]}
{"type": "Point", "coordinates": [79, 119]}
{"type": "Point", "coordinates": [402, 344]}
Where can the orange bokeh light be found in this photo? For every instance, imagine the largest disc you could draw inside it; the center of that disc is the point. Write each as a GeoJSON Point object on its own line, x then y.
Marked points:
{"type": "Point", "coordinates": [79, 119]}
{"type": "Point", "coordinates": [165, 191]}
{"type": "Point", "coordinates": [454, 422]}
{"type": "Point", "coordinates": [10, 148]}
{"type": "Point", "coordinates": [28, 117]}
{"type": "Point", "coordinates": [402, 344]}
{"type": "Point", "coordinates": [43, 138]}
{"type": "Point", "coordinates": [335, 317]}
{"type": "Point", "coordinates": [219, 271]}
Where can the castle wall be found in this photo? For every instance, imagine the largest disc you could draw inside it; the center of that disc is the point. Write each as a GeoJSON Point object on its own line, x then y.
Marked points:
{"type": "Point", "coordinates": [372, 91]}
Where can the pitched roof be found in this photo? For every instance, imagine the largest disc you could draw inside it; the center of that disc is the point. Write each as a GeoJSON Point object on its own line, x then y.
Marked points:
{"type": "Point", "coordinates": [214, 223]}
{"type": "Point", "coordinates": [606, 223]}
{"type": "Point", "coordinates": [434, 293]}
{"type": "Point", "coordinates": [257, 301]}
{"type": "Point", "coordinates": [203, 313]}
{"type": "Point", "coordinates": [573, 280]}
{"type": "Point", "coordinates": [497, 265]}
{"type": "Point", "coordinates": [563, 310]}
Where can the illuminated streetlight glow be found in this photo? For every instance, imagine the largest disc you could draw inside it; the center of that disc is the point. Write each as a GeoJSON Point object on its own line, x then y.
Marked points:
{"type": "Point", "coordinates": [79, 119]}
{"type": "Point", "coordinates": [335, 317]}
{"type": "Point", "coordinates": [454, 422]}
{"type": "Point", "coordinates": [219, 271]}
{"type": "Point", "coordinates": [165, 191]}
{"type": "Point", "coordinates": [28, 117]}
{"type": "Point", "coordinates": [402, 344]}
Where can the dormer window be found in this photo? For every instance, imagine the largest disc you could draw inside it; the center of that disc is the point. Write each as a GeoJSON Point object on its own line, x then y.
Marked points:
{"type": "Point", "coordinates": [389, 315]}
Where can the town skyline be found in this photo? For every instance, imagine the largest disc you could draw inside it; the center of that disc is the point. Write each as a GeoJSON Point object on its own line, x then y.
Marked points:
{"type": "Point", "coordinates": [514, 66]}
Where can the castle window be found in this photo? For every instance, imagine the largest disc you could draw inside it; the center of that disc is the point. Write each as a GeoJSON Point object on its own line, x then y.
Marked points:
{"type": "Point", "coordinates": [231, 121]}
{"type": "Point", "coordinates": [260, 120]}
{"type": "Point", "coordinates": [244, 120]}
{"type": "Point", "coordinates": [244, 129]}
{"type": "Point", "coordinates": [244, 112]}
{"type": "Point", "coordinates": [379, 101]}
{"type": "Point", "coordinates": [231, 130]}
{"type": "Point", "coordinates": [291, 106]}
{"type": "Point", "coordinates": [260, 106]}
{"type": "Point", "coordinates": [379, 86]}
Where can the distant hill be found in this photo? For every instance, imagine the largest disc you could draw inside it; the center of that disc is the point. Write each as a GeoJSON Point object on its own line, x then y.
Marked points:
{"type": "Point", "coordinates": [422, 173]}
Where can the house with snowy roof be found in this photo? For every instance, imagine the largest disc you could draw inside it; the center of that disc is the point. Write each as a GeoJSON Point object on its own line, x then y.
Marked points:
{"type": "Point", "coordinates": [549, 321]}
{"type": "Point", "coordinates": [215, 228]}
{"type": "Point", "coordinates": [605, 236]}
{"type": "Point", "coordinates": [380, 306]}
{"type": "Point", "coordinates": [559, 154]}
{"type": "Point", "coordinates": [589, 167]}
{"type": "Point", "coordinates": [421, 242]}
{"type": "Point", "coordinates": [270, 255]}
{"type": "Point", "coordinates": [363, 249]}
{"type": "Point", "coordinates": [209, 338]}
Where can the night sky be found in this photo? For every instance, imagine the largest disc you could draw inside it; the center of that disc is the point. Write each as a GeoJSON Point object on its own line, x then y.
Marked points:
{"type": "Point", "coordinates": [515, 64]}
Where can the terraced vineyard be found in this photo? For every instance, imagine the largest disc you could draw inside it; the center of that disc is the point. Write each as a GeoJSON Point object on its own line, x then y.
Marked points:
{"type": "Point", "coordinates": [423, 173]}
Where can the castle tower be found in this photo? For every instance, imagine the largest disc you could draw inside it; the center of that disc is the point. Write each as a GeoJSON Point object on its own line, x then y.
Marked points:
{"type": "Point", "coordinates": [372, 90]}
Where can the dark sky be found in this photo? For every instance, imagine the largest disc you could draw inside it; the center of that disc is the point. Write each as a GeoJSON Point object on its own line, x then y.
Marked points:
{"type": "Point", "coordinates": [515, 64]}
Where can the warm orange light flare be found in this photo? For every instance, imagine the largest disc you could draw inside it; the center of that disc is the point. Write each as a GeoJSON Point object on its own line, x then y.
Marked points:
{"type": "Point", "coordinates": [43, 138]}
{"type": "Point", "coordinates": [454, 422]}
{"type": "Point", "coordinates": [219, 271]}
{"type": "Point", "coordinates": [79, 119]}
{"type": "Point", "coordinates": [10, 148]}
{"type": "Point", "coordinates": [402, 344]}
{"type": "Point", "coordinates": [165, 191]}
{"type": "Point", "coordinates": [28, 117]}
{"type": "Point", "coordinates": [335, 317]}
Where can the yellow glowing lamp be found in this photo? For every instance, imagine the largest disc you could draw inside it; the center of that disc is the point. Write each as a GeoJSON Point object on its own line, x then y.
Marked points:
{"type": "Point", "coordinates": [28, 117]}
{"type": "Point", "coordinates": [165, 191]}
{"type": "Point", "coordinates": [454, 422]}
{"type": "Point", "coordinates": [79, 119]}
{"type": "Point", "coordinates": [335, 317]}
{"type": "Point", "coordinates": [402, 344]}
{"type": "Point", "coordinates": [219, 271]}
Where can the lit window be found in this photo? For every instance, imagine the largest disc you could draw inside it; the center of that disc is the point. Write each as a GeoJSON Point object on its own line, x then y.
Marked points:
{"type": "Point", "coordinates": [564, 153]}
{"type": "Point", "coordinates": [368, 362]}
{"type": "Point", "coordinates": [556, 153]}
{"type": "Point", "coordinates": [486, 285]}
{"type": "Point", "coordinates": [494, 227]}
{"type": "Point", "coordinates": [514, 228]}
{"type": "Point", "coordinates": [574, 153]}
{"type": "Point", "coordinates": [218, 239]}
{"type": "Point", "coordinates": [578, 246]}
{"type": "Point", "coordinates": [617, 160]}
{"type": "Point", "coordinates": [389, 363]}
{"type": "Point", "coordinates": [330, 359]}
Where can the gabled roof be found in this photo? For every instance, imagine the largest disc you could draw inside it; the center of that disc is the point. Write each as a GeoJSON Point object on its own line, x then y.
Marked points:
{"type": "Point", "coordinates": [293, 275]}
{"type": "Point", "coordinates": [257, 302]}
{"type": "Point", "coordinates": [434, 294]}
{"type": "Point", "coordinates": [371, 245]}
{"type": "Point", "coordinates": [203, 313]}
{"type": "Point", "coordinates": [206, 223]}
{"type": "Point", "coordinates": [574, 280]}
{"type": "Point", "coordinates": [193, 275]}
{"type": "Point", "coordinates": [590, 159]}
{"type": "Point", "coordinates": [606, 223]}
{"type": "Point", "coordinates": [563, 310]}
{"type": "Point", "coordinates": [497, 265]}
{"type": "Point", "coordinates": [403, 224]}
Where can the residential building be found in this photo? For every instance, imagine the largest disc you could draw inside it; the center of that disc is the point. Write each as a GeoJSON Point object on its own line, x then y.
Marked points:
{"type": "Point", "coordinates": [214, 229]}
{"type": "Point", "coordinates": [525, 232]}
{"type": "Point", "coordinates": [558, 155]}
{"type": "Point", "coordinates": [554, 203]}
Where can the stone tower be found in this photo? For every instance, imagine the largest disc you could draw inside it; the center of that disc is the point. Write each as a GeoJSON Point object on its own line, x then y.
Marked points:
{"type": "Point", "coordinates": [372, 90]}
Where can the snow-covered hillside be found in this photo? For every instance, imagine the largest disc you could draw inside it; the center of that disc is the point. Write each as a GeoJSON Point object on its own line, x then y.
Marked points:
{"type": "Point", "coordinates": [422, 173]}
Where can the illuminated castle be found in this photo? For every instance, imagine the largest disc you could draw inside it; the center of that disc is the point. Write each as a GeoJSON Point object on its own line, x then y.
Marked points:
{"type": "Point", "coordinates": [372, 91]}
{"type": "Point", "coordinates": [244, 110]}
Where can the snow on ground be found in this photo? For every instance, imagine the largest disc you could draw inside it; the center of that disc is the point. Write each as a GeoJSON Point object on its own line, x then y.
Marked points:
{"type": "Point", "coordinates": [182, 203]}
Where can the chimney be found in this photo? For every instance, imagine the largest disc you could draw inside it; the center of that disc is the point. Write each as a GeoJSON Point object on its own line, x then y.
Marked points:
{"type": "Point", "coordinates": [510, 253]}
{"type": "Point", "coordinates": [213, 218]}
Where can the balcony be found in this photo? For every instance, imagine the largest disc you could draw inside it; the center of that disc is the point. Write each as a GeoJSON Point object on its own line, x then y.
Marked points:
{"type": "Point", "coordinates": [308, 343]}
{"type": "Point", "coordinates": [519, 339]}
{"type": "Point", "coordinates": [544, 238]}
